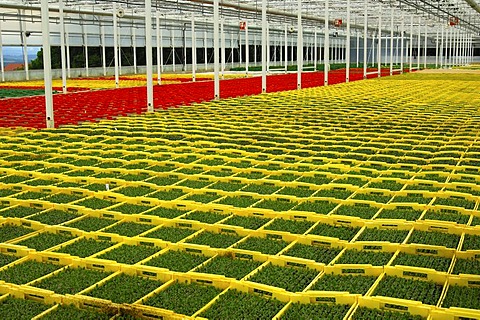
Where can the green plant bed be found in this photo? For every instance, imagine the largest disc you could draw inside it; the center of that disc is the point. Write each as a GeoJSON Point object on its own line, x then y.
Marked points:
{"type": "Point", "coordinates": [215, 240]}
{"type": "Point", "coordinates": [71, 280]}
{"type": "Point", "coordinates": [287, 177]}
{"type": "Point", "coordinates": [230, 267]}
{"type": "Point", "coordinates": [53, 217]}
{"type": "Point", "coordinates": [386, 184]}
{"type": "Point", "coordinates": [467, 266]}
{"type": "Point", "coordinates": [128, 208]}
{"type": "Point", "coordinates": [206, 217]}
{"type": "Point", "coordinates": [184, 298]}
{"type": "Point", "coordinates": [406, 214]}
{"type": "Point", "coordinates": [462, 297]}
{"type": "Point", "coordinates": [63, 198]}
{"type": "Point", "coordinates": [85, 162]}
{"type": "Point", "coordinates": [263, 245]}
{"type": "Point", "coordinates": [31, 195]}
{"type": "Point", "coordinates": [316, 311]}
{"type": "Point", "coordinates": [424, 291]}
{"type": "Point", "coordinates": [168, 213]}
{"type": "Point", "coordinates": [186, 159]}
{"type": "Point", "coordinates": [355, 284]}
{"type": "Point", "coordinates": [241, 202]}
{"type": "Point", "coordinates": [379, 198]}
{"type": "Point", "coordinates": [364, 212]}
{"type": "Point", "coordinates": [80, 173]}
{"type": "Point", "coordinates": [421, 261]}
{"type": "Point", "coordinates": [276, 205]}
{"type": "Point", "coordinates": [191, 171]}
{"type": "Point", "coordinates": [456, 217]}
{"type": "Point", "coordinates": [7, 192]}
{"type": "Point", "coordinates": [91, 223]}
{"type": "Point", "coordinates": [171, 194]}
{"type": "Point", "coordinates": [40, 182]}
{"type": "Point", "coordinates": [71, 313]}
{"type": "Point", "coordinates": [351, 180]}
{"type": "Point", "coordinates": [252, 223]}
{"type": "Point", "coordinates": [194, 184]}
{"type": "Point", "coordinates": [251, 175]}
{"type": "Point", "coordinates": [471, 242]}
{"type": "Point", "coordinates": [135, 191]}
{"type": "Point", "coordinates": [14, 179]}
{"type": "Point", "coordinates": [20, 309]}
{"type": "Point", "coordinates": [170, 234]}
{"type": "Point", "coordinates": [96, 187]}
{"type": "Point", "coordinates": [288, 278]}
{"type": "Point", "coordinates": [7, 259]}
{"type": "Point", "coordinates": [261, 188]}
{"type": "Point", "coordinates": [334, 193]}
{"type": "Point", "coordinates": [297, 192]}
{"type": "Point", "coordinates": [129, 254]}
{"type": "Point", "coordinates": [363, 313]}
{"type": "Point", "coordinates": [203, 198]}
{"type": "Point", "coordinates": [212, 162]}
{"type": "Point", "coordinates": [19, 212]}
{"type": "Point", "coordinates": [455, 202]}
{"type": "Point", "coordinates": [160, 168]}
{"type": "Point", "coordinates": [320, 206]}
{"type": "Point", "coordinates": [374, 234]}
{"type": "Point", "coordinates": [179, 261]}
{"type": "Point", "coordinates": [220, 173]}
{"type": "Point", "coordinates": [27, 271]}
{"type": "Point", "coordinates": [316, 253]}
{"type": "Point", "coordinates": [10, 231]}
{"type": "Point", "coordinates": [476, 221]}
{"type": "Point", "coordinates": [85, 247]}
{"type": "Point", "coordinates": [45, 240]}
{"type": "Point", "coordinates": [434, 238]}
{"type": "Point", "coordinates": [134, 176]}
{"type": "Point", "coordinates": [292, 226]}
{"type": "Point", "coordinates": [239, 305]}
{"type": "Point", "coordinates": [317, 179]}
{"type": "Point", "coordinates": [129, 229]}
{"type": "Point", "coordinates": [227, 186]}
{"type": "Point", "coordinates": [335, 231]}
{"type": "Point", "coordinates": [412, 198]}
{"type": "Point", "coordinates": [375, 258]}
{"type": "Point", "coordinates": [124, 289]}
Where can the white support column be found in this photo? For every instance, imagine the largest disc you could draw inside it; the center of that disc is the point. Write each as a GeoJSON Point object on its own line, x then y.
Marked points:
{"type": "Point", "coordinates": [162, 65]}
{"type": "Point", "coordinates": [47, 64]}
{"type": "Point", "coordinates": [425, 49]}
{"type": "Point", "coordinates": [62, 47]}
{"type": "Point", "coordinates": [247, 48]}
{"type": "Point", "coordinates": [115, 45]}
{"type": "Point", "coordinates": [397, 45]}
{"type": "Point", "coordinates": [23, 38]}
{"type": "Point", "coordinates": [224, 58]}
{"type": "Point", "coordinates": [441, 47]}
{"type": "Point", "coordinates": [255, 60]}
{"type": "Point", "coordinates": [231, 51]}
{"type": "Point", "coordinates": [184, 47]}
{"type": "Point", "coordinates": [391, 40]}
{"type": "Point", "coordinates": [216, 48]}
{"type": "Point", "coordinates": [159, 47]}
{"type": "Point", "coordinates": [299, 44]}
{"type": "Point", "coordinates": [2, 66]}
{"type": "Point", "coordinates": [365, 35]}
{"type": "Point", "coordinates": [379, 54]}
{"type": "Point", "coordinates": [334, 50]}
{"type": "Point", "coordinates": [149, 54]}
{"type": "Point", "coordinates": [436, 51]}
{"type": "Point", "coordinates": [85, 43]}
{"type": "Point", "coordinates": [419, 41]}
{"type": "Point", "coordinates": [457, 42]}
{"type": "Point", "coordinates": [410, 44]}
{"type": "Point", "coordinates": [194, 51]}
{"type": "Point", "coordinates": [447, 47]}
{"type": "Point", "coordinates": [120, 53]}
{"type": "Point", "coordinates": [172, 37]}
{"type": "Point", "coordinates": [358, 49]}
{"type": "Point", "coordinates": [347, 49]}
{"type": "Point", "coordinates": [292, 51]}
{"type": "Point", "coordinates": [402, 43]}
{"type": "Point", "coordinates": [205, 49]}
{"type": "Point", "coordinates": [326, 45]}
{"type": "Point", "coordinates": [451, 39]}
{"type": "Point", "coordinates": [315, 52]}
{"type": "Point", "coordinates": [240, 51]}
{"type": "Point", "coordinates": [286, 48]}
{"type": "Point", "coordinates": [104, 53]}
{"type": "Point", "coordinates": [264, 46]}
{"type": "Point", "coordinates": [268, 47]}
{"type": "Point", "coordinates": [134, 46]}
{"type": "Point", "coordinates": [67, 43]}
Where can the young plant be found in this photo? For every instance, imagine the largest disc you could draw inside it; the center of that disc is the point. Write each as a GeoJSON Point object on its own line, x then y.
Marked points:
{"type": "Point", "coordinates": [363, 313]}
{"type": "Point", "coordinates": [240, 202]}
{"type": "Point", "coordinates": [206, 217]}
{"type": "Point", "coordinates": [129, 208]}
{"type": "Point", "coordinates": [435, 238]}
{"type": "Point", "coordinates": [426, 292]}
{"type": "Point", "coordinates": [177, 261]}
{"type": "Point", "coordinates": [335, 231]}
{"type": "Point", "coordinates": [170, 234]}
{"type": "Point", "coordinates": [462, 297]}
{"type": "Point", "coordinates": [184, 298]}
{"type": "Point", "coordinates": [227, 186]}
{"type": "Point", "coordinates": [263, 245]}
{"type": "Point", "coordinates": [85, 247]}
{"type": "Point", "coordinates": [456, 217]}
{"type": "Point", "coordinates": [334, 193]}
{"type": "Point", "coordinates": [53, 217]}
{"type": "Point", "coordinates": [421, 261]}
{"type": "Point", "coordinates": [10, 231]}
{"type": "Point", "coordinates": [91, 223]}
{"type": "Point", "coordinates": [374, 234]}
{"type": "Point", "coordinates": [292, 226]}
{"type": "Point", "coordinates": [375, 258]}
{"type": "Point", "coordinates": [129, 254]}
{"type": "Point", "coordinates": [20, 309]}
{"type": "Point", "coordinates": [71, 280]}
{"type": "Point", "coordinates": [467, 266]}
{"type": "Point", "coordinates": [316, 311]}
{"type": "Point", "coordinates": [471, 242]}
{"type": "Point", "coordinates": [405, 213]}
{"type": "Point", "coordinates": [27, 271]}
{"type": "Point", "coordinates": [129, 229]}
{"type": "Point", "coordinates": [252, 223]}
{"type": "Point", "coordinates": [203, 197]}
{"type": "Point", "coordinates": [45, 240]}
{"type": "Point", "coordinates": [355, 284]}
{"type": "Point", "coordinates": [320, 206]}
{"type": "Point", "coordinates": [215, 240]}
{"type": "Point", "coordinates": [135, 191]}
{"type": "Point", "coordinates": [279, 205]}
{"type": "Point", "coordinates": [124, 288]}
{"type": "Point", "coordinates": [168, 213]}
{"type": "Point", "coordinates": [261, 188]}
{"type": "Point", "coordinates": [239, 305]}
{"type": "Point", "coordinates": [288, 278]}
{"type": "Point", "coordinates": [364, 212]}
{"type": "Point", "coordinates": [171, 194]}
{"type": "Point", "coordinates": [317, 253]}
{"type": "Point", "coordinates": [230, 267]}
{"type": "Point", "coordinates": [70, 312]}
{"type": "Point", "coordinates": [63, 198]}
{"type": "Point", "coordinates": [6, 259]}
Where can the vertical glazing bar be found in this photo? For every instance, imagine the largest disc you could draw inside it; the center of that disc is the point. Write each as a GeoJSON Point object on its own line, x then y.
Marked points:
{"type": "Point", "coordinates": [159, 41]}
{"type": "Point", "coordinates": [326, 53]}
{"type": "Point", "coordinates": [247, 48]}
{"type": "Point", "coordinates": [194, 51]}
{"type": "Point", "coordinates": [436, 51]}
{"type": "Point", "coordinates": [264, 46]}
{"type": "Point", "coordinates": [134, 46]}
{"type": "Point", "coordinates": [216, 49]}
{"type": "Point", "coordinates": [2, 66]}
{"type": "Point", "coordinates": [62, 47]}
{"type": "Point", "coordinates": [347, 49]}
{"type": "Point", "coordinates": [391, 40]}
{"type": "Point", "coordinates": [47, 65]}
{"type": "Point", "coordinates": [224, 54]}
{"type": "Point", "coordinates": [402, 43]}
{"type": "Point", "coordinates": [379, 54]}
{"type": "Point", "coordinates": [419, 38]}
{"type": "Point", "coordinates": [299, 45]}
{"type": "Point", "coordinates": [410, 44]}
{"type": "Point", "coordinates": [115, 45]}
{"type": "Point", "coordinates": [149, 53]}
{"type": "Point", "coordinates": [425, 49]}
{"type": "Point", "coordinates": [365, 35]}
{"type": "Point", "coordinates": [67, 43]}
